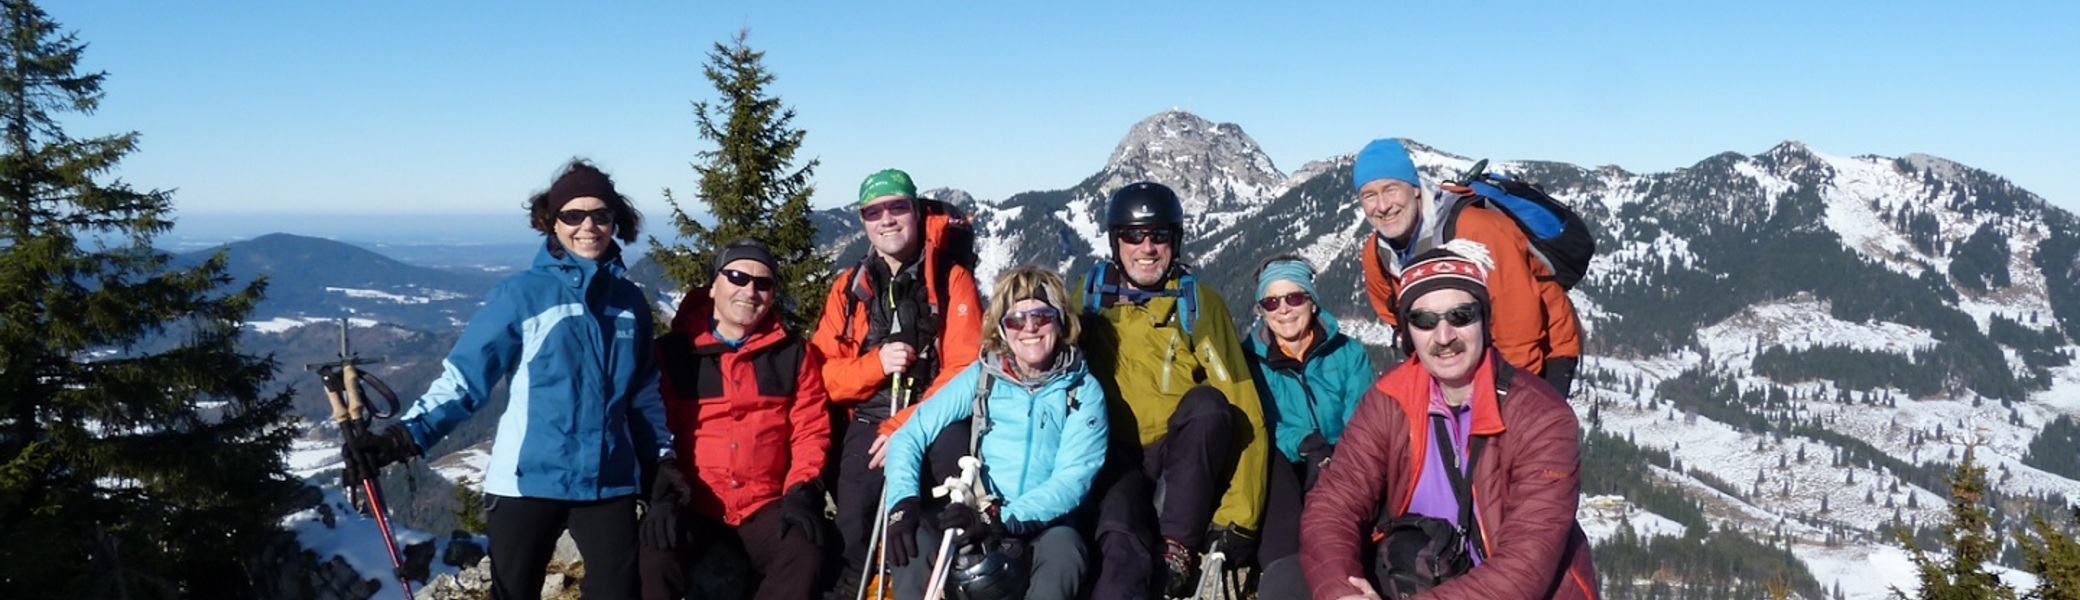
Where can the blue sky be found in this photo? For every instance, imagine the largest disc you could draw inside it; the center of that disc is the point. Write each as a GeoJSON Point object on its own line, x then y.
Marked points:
{"type": "Point", "coordinates": [446, 108]}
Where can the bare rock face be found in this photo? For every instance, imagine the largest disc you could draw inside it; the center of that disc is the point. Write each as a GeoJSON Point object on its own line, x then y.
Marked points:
{"type": "Point", "coordinates": [1213, 167]}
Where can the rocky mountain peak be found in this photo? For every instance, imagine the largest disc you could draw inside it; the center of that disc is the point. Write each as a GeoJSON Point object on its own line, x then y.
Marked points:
{"type": "Point", "coordinates": [1215, 167]}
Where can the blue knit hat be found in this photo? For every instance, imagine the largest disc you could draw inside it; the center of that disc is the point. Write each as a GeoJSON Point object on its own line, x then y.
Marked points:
{"type": "Point", "coordinates": [1288, 268]}
{"type": "Point", "coordinates": [1383, 158]}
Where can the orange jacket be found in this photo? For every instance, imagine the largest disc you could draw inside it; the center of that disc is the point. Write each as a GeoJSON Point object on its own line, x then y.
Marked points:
{"type": "Point", "coordinates": [1533, 319]}
{"type": "Point", "coordinates": [853, 374]}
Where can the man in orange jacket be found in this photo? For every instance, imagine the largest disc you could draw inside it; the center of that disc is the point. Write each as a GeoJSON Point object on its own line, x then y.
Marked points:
{"type": "Point", "coordinates": [895, 327]}
{"type": "Point", "coordinates": [1534, 321]}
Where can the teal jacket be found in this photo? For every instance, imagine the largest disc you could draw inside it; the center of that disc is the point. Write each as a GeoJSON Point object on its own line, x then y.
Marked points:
{"type": "Point", "coordinates": [1044, 443]}
{"type": "Point", "coordinates": [1316, 393]}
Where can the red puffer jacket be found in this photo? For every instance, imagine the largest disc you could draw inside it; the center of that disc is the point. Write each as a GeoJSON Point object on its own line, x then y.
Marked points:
{"type": "Point", "coordinates": [1526, 485]}
{"type": "Point", "coordinates": [749, 422]}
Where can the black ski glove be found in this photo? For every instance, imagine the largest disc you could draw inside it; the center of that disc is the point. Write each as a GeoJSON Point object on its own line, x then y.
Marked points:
{"type": "Point", "coordinates": [802, 508]}
{"type": "Point", "coordinates": [901, 534]}
{"type": "Point", "coordinates": [367, 452]}
{"type": "Point", "coordinates": [669, 483]}
{"type": "Point", "coordinates": [979, 528]}
{"type": "Point", "coordinates": [659, 529]}
{"type": "Point", "coordinates": [1237, 543]}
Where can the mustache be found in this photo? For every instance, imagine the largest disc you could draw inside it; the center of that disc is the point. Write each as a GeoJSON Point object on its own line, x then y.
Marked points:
{"type": "Point", "coordinates": [1454, 346]}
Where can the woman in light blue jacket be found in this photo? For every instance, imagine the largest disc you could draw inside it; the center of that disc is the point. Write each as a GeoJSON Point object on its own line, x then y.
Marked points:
{"type": "Point", "coordinates": [1310, 377]}
{"type": "Point", "coordinates": [1039, 428]}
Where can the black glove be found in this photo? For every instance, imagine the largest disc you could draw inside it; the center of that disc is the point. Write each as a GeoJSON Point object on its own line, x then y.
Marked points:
{"type": "Point", "coordinates": [1237, 543]}
{"type": "Point", "coordinates": [802, 508]}
{"type": "Point", "coordinates": [901, 535]}
{"type": "Point", "coordinates": [367, 452]}
{"type": "Point", "coordinates": [659, 529]}
{"type": "Point", "coordinates": [669, 483]}
{"type": "Point", "coordinates": [979, 528]}
{"type": "Point", "coordinates": [1314, 455]}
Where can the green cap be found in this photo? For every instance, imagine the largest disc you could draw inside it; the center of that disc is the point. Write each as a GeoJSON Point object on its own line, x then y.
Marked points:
{"type": "Point", "coordinates": [888, 182]}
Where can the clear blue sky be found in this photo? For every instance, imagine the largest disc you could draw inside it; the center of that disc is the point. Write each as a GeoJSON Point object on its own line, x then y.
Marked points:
{"type": "Point", "coordinates": [385, 107]}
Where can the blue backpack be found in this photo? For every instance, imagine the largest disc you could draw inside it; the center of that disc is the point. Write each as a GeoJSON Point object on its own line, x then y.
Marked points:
{"type": "Point", "coordinates": [1095, 288]}
{"type": "Point", "coordinates": [1558, 235]}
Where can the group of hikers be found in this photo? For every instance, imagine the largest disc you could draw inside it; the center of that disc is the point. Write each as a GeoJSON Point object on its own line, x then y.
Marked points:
{"type": "Point", "coordinates": [1111, 436]}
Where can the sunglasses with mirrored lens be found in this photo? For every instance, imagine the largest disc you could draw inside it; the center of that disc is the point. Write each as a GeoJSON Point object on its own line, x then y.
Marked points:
{"type": "Point", "coordinates": [1039, 317]}
{"type": "Point", "coordinates": [1137, 236]}
{"type": "Point", "coordinates": [894, 208]}
{"type": "Point", "coordinates": [741, 279]}
{"type": "Point", "coordinates": [1458, 316]}
{"type": "Point", "coordinates": [575, 217]}
{"type": "Point", "coordinates": [1295, 300]}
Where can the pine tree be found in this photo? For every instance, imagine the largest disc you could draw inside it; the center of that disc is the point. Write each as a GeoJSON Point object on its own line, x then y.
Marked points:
{"type": "Point", "coordinates": [2049, 552]}
{"type": "Point", "coordinates": [750, 185]}
{"type": "Point", "coordinates": [138, 457]}
{"type": "Point", "coordinates": [1962, 574]}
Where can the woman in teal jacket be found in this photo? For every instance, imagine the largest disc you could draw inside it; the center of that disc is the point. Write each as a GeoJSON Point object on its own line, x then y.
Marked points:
{"type": "Point", "coordinates": [1040, 433]}
{"type": "Point", "coordinates": [1310, 376]}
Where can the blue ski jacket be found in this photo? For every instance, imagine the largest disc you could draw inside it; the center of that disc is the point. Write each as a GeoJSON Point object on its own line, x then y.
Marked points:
{"type": "Point", "coordinates": [584, 414]}
{"type": "Point", "coordinates": [1044, 444]}
{"type": "Point", "coordinates": [1316, 393]}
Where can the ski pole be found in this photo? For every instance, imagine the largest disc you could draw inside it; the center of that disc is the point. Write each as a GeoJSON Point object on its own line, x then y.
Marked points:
{"type": "Point", "coordinates": [869, 567]}
{"type": "Point", "coordinates": [342, 382]}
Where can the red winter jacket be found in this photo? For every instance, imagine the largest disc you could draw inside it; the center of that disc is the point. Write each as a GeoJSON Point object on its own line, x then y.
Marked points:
{"type": "Point", "coordinates": [1526, 485]}
{"type": "Point", "coordinates": [748, 423]}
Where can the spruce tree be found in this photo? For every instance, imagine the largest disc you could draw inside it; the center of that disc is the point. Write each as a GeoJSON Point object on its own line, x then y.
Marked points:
{"type": "Point", "coordinates": [1961, 575]}
{"type": "Point", "coordinates": [750, 185]}
{"type": "Point", "coordinates": [138, 457]}
{"type": "Point", "coordinates": [2050, 552]}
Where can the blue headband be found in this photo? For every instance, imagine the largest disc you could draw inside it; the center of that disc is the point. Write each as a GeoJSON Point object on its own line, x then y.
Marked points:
{"type": "Point", "coordinates": [1296, 271]}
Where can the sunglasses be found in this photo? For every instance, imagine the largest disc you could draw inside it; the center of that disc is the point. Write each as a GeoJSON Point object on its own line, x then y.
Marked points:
{"type": "Point", "coordinates": [894, 208]}
{"type": "Point", "coordinates": [1295, 300]}
{"type": "Point", "coordinates": [1137, 236]}
{"type": "Point", "coordinates": [574, 217]}
{"type": "Point", "coordinates": [1028, 319]}
{"type": "Point", "coordinates": [741, 279]}
{"type": "Point", "coordinates": [1458, 316]}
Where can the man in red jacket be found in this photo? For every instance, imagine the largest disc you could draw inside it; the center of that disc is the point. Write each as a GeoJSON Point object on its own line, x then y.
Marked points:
{"type": "Point", "coordinates": [1457, 439]}
{"type": "Point", "coordinates": [745, 402]}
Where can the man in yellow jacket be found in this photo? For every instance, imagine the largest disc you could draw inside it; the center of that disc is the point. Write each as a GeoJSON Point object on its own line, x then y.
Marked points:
{"type": "Point", "coordinates": [1185, 414]}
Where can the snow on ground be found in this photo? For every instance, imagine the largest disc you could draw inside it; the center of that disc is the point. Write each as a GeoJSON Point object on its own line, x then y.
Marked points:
{"type": "Point", "coordinates": [1078, 216]}
{"type": "Point", "coordinates": [281, 324]}
{"type": "Point", "coordinates": [465, 466]}
{"type": "Point", "coordinates": [1857, 184]}
{"type": "Point", "coordinates": [1799, 324]}
{"type": "Point", "coordinates": [1871, 572]}
{"type": "Point", "coordinates": [359, 541]}
{"type": "Point", "coordinates": [395, 298]}
{"type": "Point", "coordinates": [1366, 329]}
{"type": "Point", "coordinates": [1601, 516]}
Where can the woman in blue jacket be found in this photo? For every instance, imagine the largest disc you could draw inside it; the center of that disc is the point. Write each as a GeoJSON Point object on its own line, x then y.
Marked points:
{"type": "Point", "coordinates": [1310, 376]}
{"type": "Point", "coordinates": [583, 420]}
{"type": "Point", "coordinates": [1040, 430]}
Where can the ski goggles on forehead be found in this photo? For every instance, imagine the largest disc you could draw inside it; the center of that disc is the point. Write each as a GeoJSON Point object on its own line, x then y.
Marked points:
{"type": "Point", "coordinates": [1295, 300]}
{"type": "Point", "coordinates": [1459, 316]}
{"type": "Point", "coordinates": [893, 208]}
{"type": "Point", "coordinates": [741, 279]}
{"type": "Point", "coordinates": [1044, 316]}
{"type": "Point", "coordinates": [1136, 236]}
{"type": "Point", "coordinates": [574, 217]}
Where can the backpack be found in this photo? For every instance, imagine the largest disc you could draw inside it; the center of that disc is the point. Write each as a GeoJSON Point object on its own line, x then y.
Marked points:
{"type": "Point", "coordinates": [1558, 235]}
{"type": "Point", "coordinates": [949, 237]}
{"type": "Point", "coordinates": [1095, 288]}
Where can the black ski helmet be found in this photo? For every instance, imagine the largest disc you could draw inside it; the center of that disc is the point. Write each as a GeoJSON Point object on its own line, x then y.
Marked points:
{"type": "Point", "coordinates": [1144, 204]}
